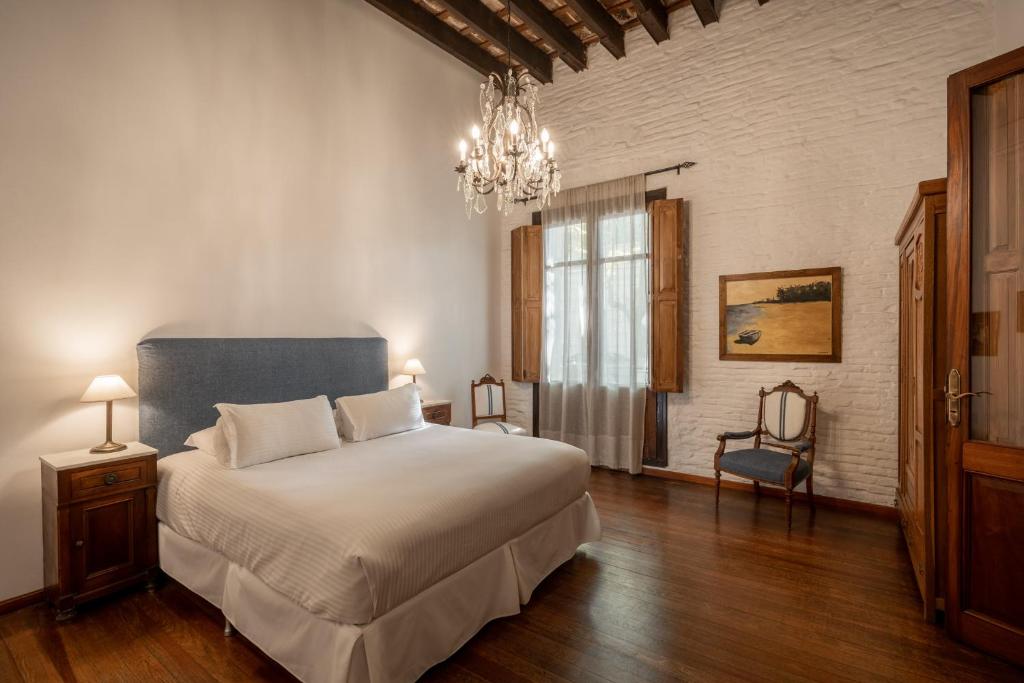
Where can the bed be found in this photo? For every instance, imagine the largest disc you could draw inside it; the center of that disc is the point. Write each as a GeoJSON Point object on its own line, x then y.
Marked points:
{"type": "Point", "coordinates": [371, 562]}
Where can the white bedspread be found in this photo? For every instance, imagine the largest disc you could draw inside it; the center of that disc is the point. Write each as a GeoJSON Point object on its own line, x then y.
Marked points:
{"type": "Point", "coordinates": [351, 533]}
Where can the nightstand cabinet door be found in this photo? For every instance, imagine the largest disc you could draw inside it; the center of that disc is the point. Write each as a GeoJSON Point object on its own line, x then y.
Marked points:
{"type": "Point", "coordinates": [108, 537]}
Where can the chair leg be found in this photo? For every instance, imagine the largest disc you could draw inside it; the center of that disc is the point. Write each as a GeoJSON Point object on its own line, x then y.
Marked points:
{"type": "Point", "coordinates": [810, 490]}
{"type": "Point", "coordinates": [757, 489]}
{"type": "Point", "coordinates": [789, 508]}
{"type": "Point", "coordinates": [718, 485]}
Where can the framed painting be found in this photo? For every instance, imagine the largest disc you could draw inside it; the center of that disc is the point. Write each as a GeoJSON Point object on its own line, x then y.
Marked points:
{"type": "Point", "coordinates": [786, 315]}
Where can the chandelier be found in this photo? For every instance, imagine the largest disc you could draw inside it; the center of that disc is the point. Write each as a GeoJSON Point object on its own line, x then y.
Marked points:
{"type": "Point", "coordinates": [510, 155]}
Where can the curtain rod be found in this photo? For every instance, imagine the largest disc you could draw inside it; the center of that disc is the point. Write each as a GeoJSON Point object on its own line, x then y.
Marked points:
{"type": "Point", "coordinates": [676, 168]}
{"type": "Point", "coordinates": [685, 164]}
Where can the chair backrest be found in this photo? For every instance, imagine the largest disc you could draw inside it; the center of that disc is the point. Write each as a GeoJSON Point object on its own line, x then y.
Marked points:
{"type": "Point", "coordinates": [488, 398]}
{"type": "Point", "coordinates": [787, 413]}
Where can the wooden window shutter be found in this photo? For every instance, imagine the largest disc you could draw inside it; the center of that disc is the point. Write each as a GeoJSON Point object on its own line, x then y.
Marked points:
{"type": "Point", "coordinates": [527, 293]}
{"type": "Point", "coordinates": [668, 239]}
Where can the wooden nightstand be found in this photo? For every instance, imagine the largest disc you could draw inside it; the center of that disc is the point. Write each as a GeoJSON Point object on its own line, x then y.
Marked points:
{"type": "Point", "coordinates": [99, 523]}
{"type": "Point", "coordinates": [438, 411]}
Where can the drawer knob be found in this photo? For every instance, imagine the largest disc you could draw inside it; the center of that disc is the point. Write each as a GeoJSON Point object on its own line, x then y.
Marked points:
{"type": "Point", "coordinates": [79, 544]}
{"type": "Point", "coordinates": [110, 478]}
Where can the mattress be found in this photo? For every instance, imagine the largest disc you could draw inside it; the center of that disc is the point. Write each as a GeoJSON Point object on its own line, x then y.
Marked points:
{"type": "Point", "coordinates": [352, 533]}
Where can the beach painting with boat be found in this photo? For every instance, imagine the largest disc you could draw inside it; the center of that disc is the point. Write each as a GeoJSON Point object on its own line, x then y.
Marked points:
{"type": "Point", "coordinates": [786, 315]}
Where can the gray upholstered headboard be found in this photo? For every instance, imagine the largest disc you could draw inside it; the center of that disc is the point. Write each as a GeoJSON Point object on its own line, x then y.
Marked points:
{"type": "Point", "coordinates": [181, 379]}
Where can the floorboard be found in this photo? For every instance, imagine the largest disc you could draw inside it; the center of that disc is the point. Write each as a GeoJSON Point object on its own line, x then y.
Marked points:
{"type": "Point", "coordinates": [673, 592]}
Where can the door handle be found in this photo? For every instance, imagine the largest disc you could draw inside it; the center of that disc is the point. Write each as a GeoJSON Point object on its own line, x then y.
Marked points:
{"type": "Point", "coordinates": [957, 397]}
{"type": "Point", "coordinates": [953, 396]}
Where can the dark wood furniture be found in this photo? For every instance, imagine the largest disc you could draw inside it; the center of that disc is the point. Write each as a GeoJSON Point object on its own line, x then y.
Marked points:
{"type": "Point", "coordinates": [985, 391]}
{"type": "Point", "coordinates": [478, 411]}
{"type": "Point", "coordinates": [921, 493]}
{"type": "Point", "coordinates": [99, 524]}
{"type": "Point", "coordinates": [527, 296]}
{"type": "Point", "coordinates": [668, 295]}
{"type": "Point", "coordinates": [669, 552]}
{"type": "Point", "coordinates": [787, 417]}
{"type": "Point", "coordinates": [437, 412]}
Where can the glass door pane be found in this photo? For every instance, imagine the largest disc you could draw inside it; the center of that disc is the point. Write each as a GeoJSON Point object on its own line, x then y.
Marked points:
{"type": "Point", "coordinates": [997, 262]}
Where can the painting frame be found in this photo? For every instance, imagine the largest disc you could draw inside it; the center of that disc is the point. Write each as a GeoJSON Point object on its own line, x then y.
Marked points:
{"type": "Point", "coordinates": [836, 355]}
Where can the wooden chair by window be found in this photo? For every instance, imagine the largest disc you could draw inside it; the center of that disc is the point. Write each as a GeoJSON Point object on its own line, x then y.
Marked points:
{"type": "Point", "coordinates": [786, 416]}
{"type": "Point", "coordinates": [488, 396]}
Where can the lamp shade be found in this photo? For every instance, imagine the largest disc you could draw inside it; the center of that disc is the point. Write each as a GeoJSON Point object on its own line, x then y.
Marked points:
{"type": "Point", "coordinates": [413, 367]}
{"type": "Point", "coordinates": [107, 388]}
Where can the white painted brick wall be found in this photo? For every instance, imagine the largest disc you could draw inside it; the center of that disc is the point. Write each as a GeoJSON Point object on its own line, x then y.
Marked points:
{"type": "Point", "coordinates": [811, 121]}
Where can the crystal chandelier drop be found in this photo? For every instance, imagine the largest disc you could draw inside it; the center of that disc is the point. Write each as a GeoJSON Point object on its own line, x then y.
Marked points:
{"type": "Point", "coordinates": [510, 155]}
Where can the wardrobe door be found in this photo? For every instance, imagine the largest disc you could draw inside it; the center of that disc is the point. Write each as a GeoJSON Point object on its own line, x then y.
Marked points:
{"type": "Point", "coordinates": [918, 466]}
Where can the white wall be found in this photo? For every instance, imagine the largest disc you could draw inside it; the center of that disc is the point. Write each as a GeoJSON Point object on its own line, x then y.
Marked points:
{"type": "Point", "coordinates": [239, 167]}
{"type": "Point", "coordinates": [1008, 18]}
{"type": "Point", "coordinates": [811, 122]}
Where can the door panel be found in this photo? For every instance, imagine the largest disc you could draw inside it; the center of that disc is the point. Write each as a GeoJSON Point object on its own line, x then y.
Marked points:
{"type": "Point", "coordinates": [985, 604]}
{"type": "Point", "coordinates": [995, 535]}
{"type": "Point", "coordinates": [997, 268]}
{"type": "Point", "coordinates": [107, 535]}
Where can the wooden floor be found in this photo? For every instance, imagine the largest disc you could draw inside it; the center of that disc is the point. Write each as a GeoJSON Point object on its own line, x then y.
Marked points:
{"type": "Point", "coordinates": [672, 592]}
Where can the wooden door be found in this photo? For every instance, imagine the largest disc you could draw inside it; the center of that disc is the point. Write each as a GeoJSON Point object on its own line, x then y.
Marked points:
{"type": "Point", "coordinates": [109, 540]}
{"type": "Point", "coordinates": [527, 296]}
{"type": "Point", "coordinates": [668, 235]}
{"type": "Point", "coordinates": [985, 602]}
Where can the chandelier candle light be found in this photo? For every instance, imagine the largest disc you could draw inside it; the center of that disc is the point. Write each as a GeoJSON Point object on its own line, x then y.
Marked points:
{"type": "Point", "coordinates": [510, 155]}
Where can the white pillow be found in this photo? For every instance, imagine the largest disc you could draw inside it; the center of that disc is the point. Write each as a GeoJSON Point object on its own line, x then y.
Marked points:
{"type": "Point", "coordinates": [270, 431]}
{"type": "Point", "coordinates": [369, 416]}
{"type": "Point", "coordinates": [211, 440]}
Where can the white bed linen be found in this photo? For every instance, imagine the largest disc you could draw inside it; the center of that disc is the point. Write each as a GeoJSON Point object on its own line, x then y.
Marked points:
{"type": "Point", "coordinates": [406, 641]}
{"type": "Point", "coordinates": [350, 534]}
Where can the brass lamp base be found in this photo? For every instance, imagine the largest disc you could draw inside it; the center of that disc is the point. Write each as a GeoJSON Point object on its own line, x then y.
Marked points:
{"type": "Point", "coordinates": [108, 447]}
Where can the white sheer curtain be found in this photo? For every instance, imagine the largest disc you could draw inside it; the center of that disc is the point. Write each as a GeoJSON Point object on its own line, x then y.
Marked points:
{"type": "Point", "coordinates": [596, 322]}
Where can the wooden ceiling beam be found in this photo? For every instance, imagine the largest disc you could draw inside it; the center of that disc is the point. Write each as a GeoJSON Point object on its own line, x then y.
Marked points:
{"type": "Point", "coordinates": [654, 17]}
{"type": "Point", "coordinates": [595, 17]}
{"type": "Point", "coordinates": [490, 26]}
{"type": "Point", "coordinates": [707, 11]}
{"type": "Point", "coordinates": [418, 19]}
{"type": "Point", "coordinates": [568, 46]}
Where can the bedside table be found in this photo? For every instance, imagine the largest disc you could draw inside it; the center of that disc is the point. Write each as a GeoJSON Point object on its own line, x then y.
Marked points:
{"type": "Point", "coordinates": [438, 411]}
{"type": "Point", "coordinates": [99, 523]}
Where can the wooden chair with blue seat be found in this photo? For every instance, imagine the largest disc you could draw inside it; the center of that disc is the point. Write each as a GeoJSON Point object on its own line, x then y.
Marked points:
{"type": "Point", "coordinates": [783, 452]}
{"type": "Point", "coordinates": [488, 399]}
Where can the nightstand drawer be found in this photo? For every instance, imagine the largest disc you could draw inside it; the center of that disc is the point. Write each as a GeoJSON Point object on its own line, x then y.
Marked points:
{"type": "Point", "coordinates": [439, 414]}
{"type": "Point", "coordinates": [121, 476]}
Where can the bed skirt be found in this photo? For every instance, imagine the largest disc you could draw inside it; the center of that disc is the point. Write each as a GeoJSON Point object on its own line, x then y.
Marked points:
{"type": "Point", "coordinates": [406, 641]}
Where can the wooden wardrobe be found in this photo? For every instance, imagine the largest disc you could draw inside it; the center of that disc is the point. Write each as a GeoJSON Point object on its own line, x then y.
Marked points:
{"type": "Point", "coordinates": [921, 493]}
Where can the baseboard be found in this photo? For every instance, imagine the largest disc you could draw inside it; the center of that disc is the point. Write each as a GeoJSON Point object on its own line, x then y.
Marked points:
{"type": "Point", "coordinates": [19, 601]}
{"type": "Point", "coordinates": [824, 501]}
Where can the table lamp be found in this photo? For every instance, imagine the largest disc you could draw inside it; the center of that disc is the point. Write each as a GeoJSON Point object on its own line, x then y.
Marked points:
{"type": "Point", "coordinates": [107, 388]}
{"type": "Point", "coordinates": [413, 367]}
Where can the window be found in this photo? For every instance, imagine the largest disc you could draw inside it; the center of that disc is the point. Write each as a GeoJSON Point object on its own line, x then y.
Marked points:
{"type": "Point", "coordinates": [618, 276]}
